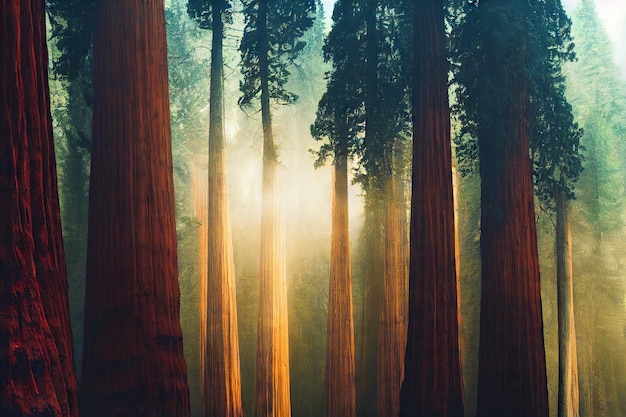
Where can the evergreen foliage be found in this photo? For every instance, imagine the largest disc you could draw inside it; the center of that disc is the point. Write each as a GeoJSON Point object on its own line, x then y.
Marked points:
{"type": "Point", "coordinates": [286, 23]}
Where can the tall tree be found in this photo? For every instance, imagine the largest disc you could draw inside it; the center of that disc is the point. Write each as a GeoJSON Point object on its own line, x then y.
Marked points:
{"type": "Point", "coordinates": [557, 163]}
{"type": "Point", "coordinates": [221, 376]}
{"type": "Point", "coordinates": [133, 355]}
{"type": "Point", "coordinates": [36, 345]}
{"type": "Point", "coordinates": [271, 39]}
{"type": "Point", "coordinates": [433, 383]}
{"type": "Point", "coordinates": [597, 215]}
{"type": "Point", "coordinates": [493, 91]}
{"type": "Point", "coordinates": [338, 121]}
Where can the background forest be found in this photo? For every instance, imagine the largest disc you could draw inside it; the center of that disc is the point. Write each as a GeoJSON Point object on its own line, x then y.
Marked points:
{"type": "Point", "coordinates": [331, 84]}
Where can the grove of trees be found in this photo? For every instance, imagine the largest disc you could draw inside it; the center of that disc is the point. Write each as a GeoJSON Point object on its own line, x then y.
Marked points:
{"type": "Point", "coordinates": [350, 208]}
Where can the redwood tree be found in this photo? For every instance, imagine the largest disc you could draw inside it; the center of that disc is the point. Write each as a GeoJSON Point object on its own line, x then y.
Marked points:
{"type": "Point", "coordinates": [494, 94]}
{"type": "Point", "coordinates": [133, 360]}
{"type": "Point", "coordinates": [433, 384]}
{"type": "Point", "coordinates": [270, 41]}
{"type": "Point", "coordinates": [37, 364]}
{"type": "Point", "coordinates": [221, 381]}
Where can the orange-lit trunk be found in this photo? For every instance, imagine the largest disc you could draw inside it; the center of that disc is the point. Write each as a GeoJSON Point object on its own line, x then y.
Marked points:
{"type": "Point", "coordinates": [512, 364]}
{"type": "Point", "coordinates": [568, 393]}
{"type": "Point", "coordinates": [133, 360]}
{"type": "Point", "coordinates": [393, 324]}
{"type": "Point", "coordinates": [221, 376]}
{"type": "Point", "coordinates": [36, 353]}
{"type": "Point", "coordinates": [272, 392]}
{"type": "Point", "coordinates": [433, 383]}
{"type": "Point", "coordinates": [340, 389]}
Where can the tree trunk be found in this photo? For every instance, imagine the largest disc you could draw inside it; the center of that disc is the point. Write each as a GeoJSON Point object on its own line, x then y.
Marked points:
{"type": "Point", "coordinates": [340, 389]}
{"type": "Point", "coordinates": [371, 302]}
{"type": "Point", "coordinates": [221, 376]}
{"type": "Point", "coordinates": [272, 390]}
{"type": "Point", "coordinates": [568, 394]}
{"type": "Point", "coordinates": [393, 326]}
{"type": "Point", "coordinates": [433, 383]}
{"type": "Point", "coordinates": [37, 369]}
{"type": "Point", "coordinates": [512, 366]}
{"type": "Point", "coordinates": [133, 360]}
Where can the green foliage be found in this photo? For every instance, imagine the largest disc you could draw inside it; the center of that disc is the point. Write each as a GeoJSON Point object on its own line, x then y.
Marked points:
{"type": "Point", "coordinates": [201, 11]}
{"type": "Point", "coordinates": [72, 23]}
{"type": "Point", "coordinates": [542, 29]}
{"type": "Point", "coordinates": [286, 21]}
{"type": "Point", "coordinates": [343, 99]}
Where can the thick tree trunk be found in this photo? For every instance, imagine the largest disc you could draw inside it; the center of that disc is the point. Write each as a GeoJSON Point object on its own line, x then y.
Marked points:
{"type": "Point", "coordinates": [222, 381]}
{"type": "Point", "coordinates": [393, 324]}
{"type": "Point", "coordinates": [512, 366]}
{"type": "Point", "coordinates": [433, 383]}
{"type": "Point", "coordinates": [272, 389]}
{"type": "Point", "coordinates": [371, 304]}
{"type": "Point", "coordinates": [37, 370]}
{"type": "Point", "coordinates": [133, 360]}
{"type": "Point", "coordinates": [340, 389]}
{"type": "Point", "coordinates": [568, 394]}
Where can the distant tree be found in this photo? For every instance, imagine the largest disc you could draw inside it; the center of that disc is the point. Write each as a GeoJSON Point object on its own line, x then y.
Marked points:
{"type": "Point", "coordinates": [493, 93]}
{"type": "Point", "coordinates": [339, 117]}
{"type": "Point", "coordinates": [221, 376]}
{"type": "Point", "coordinates": [36, 353]}
{"type": "Point", "coordinates": [557, 163]}
{"type": "Point", "coordinates": [71, 24]}
{"type": "Point", "coordinates": [598, 98]}
{"type": "Point", "coordinates": [433, 383]}
{"type": "Point", "coordinates": [133, 360]}
{"type": "Point", "coordinates": [271, 39]}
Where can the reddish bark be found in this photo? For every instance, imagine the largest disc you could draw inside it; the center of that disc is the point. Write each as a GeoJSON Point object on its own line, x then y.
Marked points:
{"type": "Point", "coordinates": [221, 375]}
{"type": "Point", "coordinates": [272, 388]}
{"type": "Point", "coordinates": [512, 368]}
{"type": "Point", "coordinates": [433, 384]}
{"type": "Point", "coordinates": [37, 370]}
{"type": "Point", "coordinates": [133, 360]}
{"type": "Point", "coordinates": [340, 388]}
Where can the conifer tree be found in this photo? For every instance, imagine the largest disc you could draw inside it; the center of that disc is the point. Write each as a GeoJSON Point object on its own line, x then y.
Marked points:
{"type": "Point", "coordinates": [271, 39]}
{"type": "Point", "coordinates": [493, 92]}
{"type": "Point", "coordinates": [221, 384]}
{"type": "Point", "coordinates": [133, 360]}
{"type": "Point", "coordinates": [433, 383]}
{"type": "Point", "coordinates": [36, 352]}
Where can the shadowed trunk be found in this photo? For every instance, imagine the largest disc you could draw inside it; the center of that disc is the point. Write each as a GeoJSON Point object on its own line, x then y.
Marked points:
{"type": "Point", "coordinates": [133, 360]}
{"type": "Point", "coordinates": [272, 392]}
{"type": "Point", "coordinates": [568, 394]}
{"type": "Point", "coordinates": [433, 383]}
{"type": "Point", "coordinates": [340, 389]}
{"type": "Point", "coordinates": [37, 369]}
{"type": "Point", "coordinates": [512, 365]}
{"type": "Point", "coordinates": [221, 377]}
{"type": "Point", "coordinates": [393, 316]}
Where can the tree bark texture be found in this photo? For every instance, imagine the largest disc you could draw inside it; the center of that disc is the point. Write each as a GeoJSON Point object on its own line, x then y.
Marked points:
{"type": "Point", "coordinates": [272, 389]}
{"type": "Point", "coordinates": [512, 366]}
{"type": "Point", "coordinates": [221, 375]}
{"type": "Point", "coordinates": [36, 357]}
{"type": "Point", "coordinates": [340, 388]}
{"type": "Point", "coordinates": [568, 393]}
{"type": "Point", "coordinates": [433, 383]}
{"type": "Point", "coordinates": [393, 316]}
{"type": "Point", "coordinates": [133, 362]}
{"type": "Point", "coordinates": [200, 192]}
